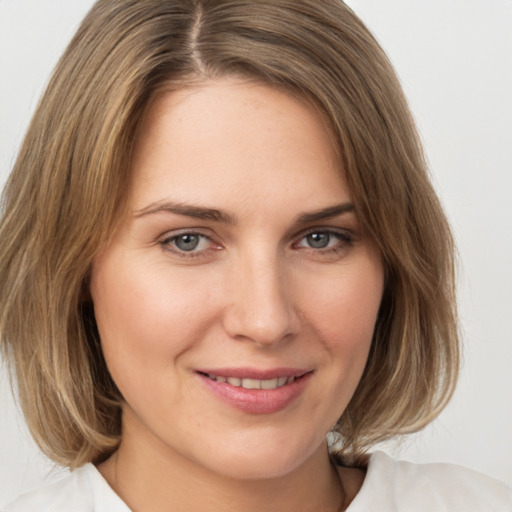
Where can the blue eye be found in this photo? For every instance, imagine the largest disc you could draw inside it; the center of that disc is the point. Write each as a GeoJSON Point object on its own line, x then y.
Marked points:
{"type": "Point", "coordinates": [318, 240]}
{"type": "Point", "coordinates": [191, 243]}
{"type": "Point", "coordinates": [187, 242]}
{"type": "Point", "coordinates": [324, 239]}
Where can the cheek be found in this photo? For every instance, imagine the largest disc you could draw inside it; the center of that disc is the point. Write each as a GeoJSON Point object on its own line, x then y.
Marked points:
{"type": "Point", "coordinates": [146, 318]}
{"type": "Point", "coordinates": [345, 309]}
{"type": "Point", "coordinates": [340, 312]}
{"type": "Point", "coordinates": [343, 313]}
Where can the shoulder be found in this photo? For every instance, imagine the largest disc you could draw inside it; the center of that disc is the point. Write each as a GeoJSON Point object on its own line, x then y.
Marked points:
{"type": "Point", "coordinates": [83, 490]}
{"type": "Point", "coordinates": [399, 486]}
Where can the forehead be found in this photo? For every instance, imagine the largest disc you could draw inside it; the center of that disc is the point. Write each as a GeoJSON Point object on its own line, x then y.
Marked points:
{"type": "Point", "coordinates": [230, 136]}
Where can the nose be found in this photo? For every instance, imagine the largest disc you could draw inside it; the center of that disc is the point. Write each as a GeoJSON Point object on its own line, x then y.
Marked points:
{"type": "Point", "coordinates": [261, 302]}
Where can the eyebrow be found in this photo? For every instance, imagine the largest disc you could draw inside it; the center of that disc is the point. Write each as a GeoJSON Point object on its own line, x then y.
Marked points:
{"type": "Point", "coordinates": [197, 212]}
{"type": "Point", "coordinates": [213, 214]}
{"type": "Point", "coordinates": [325, 213]}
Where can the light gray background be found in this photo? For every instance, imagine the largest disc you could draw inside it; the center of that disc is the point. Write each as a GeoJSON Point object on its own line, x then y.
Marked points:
{"type": "Point", "coordinates": [455, 60]}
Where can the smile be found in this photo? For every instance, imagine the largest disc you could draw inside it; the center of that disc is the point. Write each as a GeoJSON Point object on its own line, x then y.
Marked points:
{"type": "Point", "coordinates": [248, 383]}
{"type": "Point", "coordinates": [256, 391]}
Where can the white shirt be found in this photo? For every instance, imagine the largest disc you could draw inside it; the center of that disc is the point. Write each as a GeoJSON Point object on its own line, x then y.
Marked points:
{"type": "Point", "coordinates": [389, 486]}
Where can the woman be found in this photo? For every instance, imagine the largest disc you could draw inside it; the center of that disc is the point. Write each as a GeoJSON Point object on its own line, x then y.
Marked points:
{"type": "Point", "coordinates": [232, 249]}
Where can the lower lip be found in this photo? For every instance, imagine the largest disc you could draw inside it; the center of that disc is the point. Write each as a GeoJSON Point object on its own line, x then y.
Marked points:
{"type": "Point", "coordinates": [257, 401]}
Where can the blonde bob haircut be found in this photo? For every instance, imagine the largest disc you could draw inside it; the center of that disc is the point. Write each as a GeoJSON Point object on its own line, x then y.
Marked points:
{"type": "Point", "coordinates": [66, 196]}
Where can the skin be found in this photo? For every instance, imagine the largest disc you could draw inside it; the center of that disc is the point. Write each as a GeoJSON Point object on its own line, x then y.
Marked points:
{"type": "Point", "coordinates": [257, 291]}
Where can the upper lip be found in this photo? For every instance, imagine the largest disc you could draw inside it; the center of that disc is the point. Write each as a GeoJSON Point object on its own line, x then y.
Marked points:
{"type": "Point", "coordinates": [254, 373]}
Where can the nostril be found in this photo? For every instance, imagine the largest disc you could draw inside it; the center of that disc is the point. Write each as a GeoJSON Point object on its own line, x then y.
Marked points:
{"type": "Point", "coordinates": [260, 308]}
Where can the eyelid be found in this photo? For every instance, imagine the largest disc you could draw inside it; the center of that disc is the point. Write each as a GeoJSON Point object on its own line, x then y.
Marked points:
{"type": "Point", "coordinates": [343, 232]}
{"type": "Point", "coordinates": [165, 241]}
{"type": "Point", "coordinates": [345, 236]}
{"type": "Point", "coordinates": [168, 235]}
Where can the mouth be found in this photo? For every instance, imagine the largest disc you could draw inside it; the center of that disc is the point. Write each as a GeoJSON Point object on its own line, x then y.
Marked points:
{"type": "Point", "coordinates": [256, 391]}
{"type": "Point", "coordinates": [249, 383]}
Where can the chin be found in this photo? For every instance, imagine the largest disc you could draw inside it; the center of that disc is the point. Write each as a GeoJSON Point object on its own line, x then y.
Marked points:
{"type": "Point", "coordinates": [263, 460]}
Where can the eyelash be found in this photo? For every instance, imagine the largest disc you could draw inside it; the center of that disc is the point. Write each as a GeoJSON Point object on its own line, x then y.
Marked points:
{"type": "Point", "coordinates": [345, 240]}
{"type": "Point", "coordinates": [168, 244]}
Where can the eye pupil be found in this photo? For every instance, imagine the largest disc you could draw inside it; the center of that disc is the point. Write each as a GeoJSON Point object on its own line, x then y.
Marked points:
{"type": "Point", "coordinates": [318, 240]}
{"type": "Point", "coordinates": [187, 242]}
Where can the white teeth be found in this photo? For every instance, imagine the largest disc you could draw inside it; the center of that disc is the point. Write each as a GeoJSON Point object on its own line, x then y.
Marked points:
{"type": "Point", "coordinates": [251, 383]}
{"type": "Point", "coordinates": [234, 381]}
{"type": "Point", "coordinates": [254, 383]}
{"type": "Point", "coordinates": [281, 381]}
{"type": "Point", "coordinates": [269, 384]}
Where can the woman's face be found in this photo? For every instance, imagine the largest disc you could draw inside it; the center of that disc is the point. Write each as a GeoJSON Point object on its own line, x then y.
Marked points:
{"type": "Point", "coordinates": [237, 302]}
